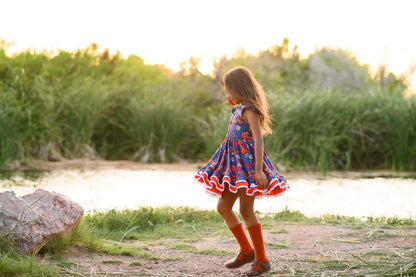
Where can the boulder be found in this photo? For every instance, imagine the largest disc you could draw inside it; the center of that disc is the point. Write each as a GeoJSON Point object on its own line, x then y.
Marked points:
{"type": "Point", "coordinates": [31, 221]}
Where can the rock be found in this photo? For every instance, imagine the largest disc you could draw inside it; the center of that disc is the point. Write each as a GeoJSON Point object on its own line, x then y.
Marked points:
{"type": "Point", "coordinates": [31, 221]}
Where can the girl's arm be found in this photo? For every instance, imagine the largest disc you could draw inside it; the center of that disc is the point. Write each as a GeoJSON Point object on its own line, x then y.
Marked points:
{"type": "Point", "coordinates": [253, 120]}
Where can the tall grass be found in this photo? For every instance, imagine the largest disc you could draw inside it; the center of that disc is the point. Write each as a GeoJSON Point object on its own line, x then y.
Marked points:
{"type": "Point", "coordinates": [92, 104]}
{"type": "Point", "coordinates": [333, 130]}
{"type": "Point", "coordinates": [75, 104]}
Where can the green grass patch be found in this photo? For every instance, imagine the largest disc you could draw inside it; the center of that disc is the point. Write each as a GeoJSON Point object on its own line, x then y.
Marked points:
{"type": "Point", "coordinates": [281, 231]}
{"type": "Point", "coordinates": [292, 217]}
{"type": "Point", "coordinates": [284, 244]}
{"type": "Point", "coordinates": [136, 263]}
{"type": "Point", "coordinates": [82, 237]}
{"type": "Point", "coordinates": [13, 264]}
{"type": "Point", "coordinates": [193, 249]}
{"type": "Point", "coordinates": [112, 262]}
{"type": "Point", "coordinates": [215, 252]}
{"type": "Point", "coordinates": [140, 252]}
{"type": "Point", "coordinates": [184, 247]}
{"type": "Point", "coordinates": [287, 215]}
{"type": "Point", "coordinates": [118, 249]}
{"type": "Point", "coordinates": [145, 222]}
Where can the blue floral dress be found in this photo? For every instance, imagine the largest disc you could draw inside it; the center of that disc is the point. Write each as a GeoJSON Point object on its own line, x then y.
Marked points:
{"type": "Point", "coordinates": [234, 163]}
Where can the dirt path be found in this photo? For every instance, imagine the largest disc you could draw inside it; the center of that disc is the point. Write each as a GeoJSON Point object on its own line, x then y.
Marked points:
{"type": "Point", "coordinates": [294, 250]}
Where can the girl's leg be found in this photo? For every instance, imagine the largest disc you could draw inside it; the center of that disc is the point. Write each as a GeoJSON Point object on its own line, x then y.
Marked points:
{"type": "Point", "coordinates": [253, 225]}
{"type": "Point", "coordinates": [225, 208]}
{"type": "Point", "coordinates": [247, 208]}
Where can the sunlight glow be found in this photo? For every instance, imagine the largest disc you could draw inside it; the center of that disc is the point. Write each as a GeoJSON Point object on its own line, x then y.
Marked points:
{"type": "Point", "coordinates": [170, 32]}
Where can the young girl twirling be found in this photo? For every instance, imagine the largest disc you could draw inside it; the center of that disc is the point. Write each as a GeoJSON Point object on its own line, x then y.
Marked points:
{"type": "Point", "coordinates": [241, 169]}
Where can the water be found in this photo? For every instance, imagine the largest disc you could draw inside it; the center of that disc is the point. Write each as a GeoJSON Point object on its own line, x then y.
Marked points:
{"type": "Point", "coordinates": [107, 188]}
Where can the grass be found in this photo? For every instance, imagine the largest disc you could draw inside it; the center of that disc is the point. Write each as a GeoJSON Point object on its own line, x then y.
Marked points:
{"type": "Point", "coordinates": [13, 264]}
{"type": "Point", "coordinates": [281, 231]}
{"type": "Point", "coordinates": [193, 249]}
{"type": "Point", "coordinates": [281, 245]}
{"type": "Point", "coordinates": [332, 130]}
{"type": "Point", "coordinates": [136, 263]}
{"type": "Point", "coordinates": [92, 104]}
{"type": "Point", "coordinates": [118, 249]}
{"type": "Point", "coordinates": [148, 223]}
{"type": "Point", "coordinates": [348, 264]}
{"type": "Point", "coordinates": [179, 228]}
{"type": "Point", "coordinates": [112, 262]}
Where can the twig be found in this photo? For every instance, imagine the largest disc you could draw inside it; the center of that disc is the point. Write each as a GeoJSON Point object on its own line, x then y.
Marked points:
{"type": "Point", "coordinates": [409, 265]}
{"type": "Point", "coordinates": [361, 259]}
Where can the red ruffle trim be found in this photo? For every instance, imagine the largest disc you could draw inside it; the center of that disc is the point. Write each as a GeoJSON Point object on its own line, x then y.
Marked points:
{"type": "Point", "coordinates": [214, 188]}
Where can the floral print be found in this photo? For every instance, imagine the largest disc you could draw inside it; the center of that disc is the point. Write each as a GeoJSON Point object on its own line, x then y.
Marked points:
{"type": "Point", "coordinates": [234, 163]}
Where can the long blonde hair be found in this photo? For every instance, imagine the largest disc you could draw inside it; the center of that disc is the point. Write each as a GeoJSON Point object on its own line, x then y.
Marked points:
{"type": "Point", "coordinates": [244, 85]}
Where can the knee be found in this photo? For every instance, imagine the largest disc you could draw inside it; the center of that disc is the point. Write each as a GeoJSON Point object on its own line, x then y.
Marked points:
{"type": "Point", "coordinates": [223, 209]}
{"type": "Point", "coordinates": [246, 212]}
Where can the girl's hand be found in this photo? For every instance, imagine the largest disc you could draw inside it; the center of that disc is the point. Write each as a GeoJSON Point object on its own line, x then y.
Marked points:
{"type": "Point", "coordinates": [261, 180]}
{"type": "Point", "coordinates": [255, 125]}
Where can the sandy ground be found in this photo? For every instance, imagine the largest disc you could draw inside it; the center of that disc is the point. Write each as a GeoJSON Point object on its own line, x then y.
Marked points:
{"type": "Point", "coordinates": [312, 250]}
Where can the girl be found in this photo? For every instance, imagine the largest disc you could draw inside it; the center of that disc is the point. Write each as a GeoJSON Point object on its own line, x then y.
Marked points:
{"type": "Point", "coordinates": [241, 169]}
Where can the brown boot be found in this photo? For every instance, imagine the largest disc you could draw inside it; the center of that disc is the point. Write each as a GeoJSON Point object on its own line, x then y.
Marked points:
{"type": "Point", "coordinates": [258, 269]}
{"type": "Point", "coordinates": [240, 260]}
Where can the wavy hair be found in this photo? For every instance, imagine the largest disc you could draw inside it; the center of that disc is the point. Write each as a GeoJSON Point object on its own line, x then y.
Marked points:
{"type": "Point", "coordinates": [244, 85]}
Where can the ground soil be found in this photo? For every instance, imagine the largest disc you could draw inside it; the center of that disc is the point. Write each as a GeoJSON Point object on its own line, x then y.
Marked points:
{"type": "Point", "coordinates": [311, 250]}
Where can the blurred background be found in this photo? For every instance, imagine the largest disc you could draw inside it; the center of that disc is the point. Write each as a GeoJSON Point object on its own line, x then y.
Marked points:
{"type": "Point", "coordinates": [139, 80]}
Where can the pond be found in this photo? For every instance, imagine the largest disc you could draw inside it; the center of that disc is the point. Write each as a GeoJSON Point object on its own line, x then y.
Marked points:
{"type": "Point", "coordinates": [105, 188]}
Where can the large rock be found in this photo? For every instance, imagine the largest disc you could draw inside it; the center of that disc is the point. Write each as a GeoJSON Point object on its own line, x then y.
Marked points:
{"type": "Point", "coordinates": [32, 220]}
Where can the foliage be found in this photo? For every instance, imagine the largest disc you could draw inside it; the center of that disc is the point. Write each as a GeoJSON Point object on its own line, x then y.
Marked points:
{"type": "Point", "coordinates": [13, 264]}
{"type": "Point", "coordinates": [332, 130]}
{"type": "Point", "coordinates": [329, 111]}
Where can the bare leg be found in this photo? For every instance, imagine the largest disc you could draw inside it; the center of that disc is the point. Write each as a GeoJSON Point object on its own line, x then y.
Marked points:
{"type": "Point", "coordinates": [247, 208]}
{"type": "Point", "coordinates": [225, 207]}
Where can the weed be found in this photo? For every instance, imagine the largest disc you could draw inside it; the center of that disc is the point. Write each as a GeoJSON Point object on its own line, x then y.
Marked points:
{"type": "Point", "coordinates": [136, 263]}
{"type": "Point", "coordinates": [281, 244]}
{"type": "Point", "coordinates": [112, 262]}
{"type": "Point", "coordinates": [281, 231]}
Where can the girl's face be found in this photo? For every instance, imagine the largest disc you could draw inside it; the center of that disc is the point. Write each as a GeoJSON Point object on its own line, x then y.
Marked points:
{"type": "Point", "coordinates": [230, 96]}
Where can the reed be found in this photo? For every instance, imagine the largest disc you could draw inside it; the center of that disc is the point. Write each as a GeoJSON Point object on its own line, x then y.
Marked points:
{"type": "Point", "coordinates": [91, 104]}
{"type": "Point", "coordinates": [81, 104]}
{"type": "Point", "coordinates": [333, 130]}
